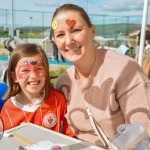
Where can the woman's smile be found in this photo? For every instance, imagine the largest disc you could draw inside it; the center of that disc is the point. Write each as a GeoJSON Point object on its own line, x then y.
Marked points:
{"type": "Point", "coordinates": [74, 49]}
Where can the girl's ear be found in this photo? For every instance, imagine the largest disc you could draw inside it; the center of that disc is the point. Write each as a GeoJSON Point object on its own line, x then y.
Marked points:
{"type": "Point", "coordinates": [14, 77]}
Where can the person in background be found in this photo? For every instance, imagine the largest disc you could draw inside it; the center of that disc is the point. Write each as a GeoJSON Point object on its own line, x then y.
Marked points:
{"type": "Point", "coordinates": [146, 49]}
{"type": "Point", "coordinates": [55, 49]}
{"type": "Point", "coordinates": [10, 43]}
{"type": "Point", "coordinates": [147, 44]}
{"type": "Point", "coordinates": [30, 97]}
{"type": "Point", "coordinates": [147, 37]}
{"type": "Point", "coordinates": [146, 65]}
{"type": "Point", "coordinates": [125, 48]}
{"type": "Point", "coordinates": [112, 86]}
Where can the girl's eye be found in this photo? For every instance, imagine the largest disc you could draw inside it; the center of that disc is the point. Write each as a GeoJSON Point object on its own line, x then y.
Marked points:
{"type": "Point", "coordinates": [40, 69]}
{"type": "Point", "coordinates": [25, 70]}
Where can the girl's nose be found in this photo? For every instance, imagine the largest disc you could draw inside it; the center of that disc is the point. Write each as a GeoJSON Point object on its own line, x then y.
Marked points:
{"type": "Point", "coordinates": [33, 73]}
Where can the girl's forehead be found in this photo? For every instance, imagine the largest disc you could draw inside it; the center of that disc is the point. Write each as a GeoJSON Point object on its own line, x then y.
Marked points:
{"type": "Point", "coordinates": [28, 60]}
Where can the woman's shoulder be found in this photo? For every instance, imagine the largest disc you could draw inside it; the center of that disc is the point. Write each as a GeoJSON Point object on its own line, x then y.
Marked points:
{"type": "Point", "coordinates": [121, 63]}
{"type": "Point", "coordinates": [114, 56]}
{"type": "Point", "coordinates": [66, 76]}
{"type": "Point", "coordinates": [68, 71]}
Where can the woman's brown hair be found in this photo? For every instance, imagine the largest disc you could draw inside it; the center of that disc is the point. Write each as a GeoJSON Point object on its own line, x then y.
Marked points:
{"type": "Point", "coordinates": [72, 7]}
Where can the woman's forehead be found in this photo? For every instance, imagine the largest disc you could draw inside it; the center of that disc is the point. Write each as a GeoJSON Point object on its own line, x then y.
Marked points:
{"type": "Point", "coordinates": [68, 15]}
{"type": "Point", "coordinates": [69, 20]}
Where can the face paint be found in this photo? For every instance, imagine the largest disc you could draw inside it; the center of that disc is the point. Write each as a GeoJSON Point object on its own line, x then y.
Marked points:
{"type": "Point", "coordinates": [31, 62]}
{"type": "Point", "coordinates": [54, 25]}
{"type": "Point", "coordinates": [38, 69]}
{"type": "Point", "coordinates": [70, 23]}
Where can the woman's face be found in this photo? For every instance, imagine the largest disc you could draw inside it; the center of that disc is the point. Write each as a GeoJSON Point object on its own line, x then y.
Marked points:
{"type": "Point", "coordinates": [72, 35]}
{"type": "Point", "coordinates": [30, 74]}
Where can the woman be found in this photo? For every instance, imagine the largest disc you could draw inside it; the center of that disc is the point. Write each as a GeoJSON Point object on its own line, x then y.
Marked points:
{"type": "Point", "coordinates": [112, 86]}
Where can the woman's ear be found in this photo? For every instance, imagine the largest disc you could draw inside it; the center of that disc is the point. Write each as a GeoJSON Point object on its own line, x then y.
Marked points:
{"type": "Point", "coordinates": [93, 30]}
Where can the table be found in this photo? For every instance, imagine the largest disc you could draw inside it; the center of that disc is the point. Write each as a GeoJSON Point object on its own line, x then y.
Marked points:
{"type": "Point", "coordinates": [29, 133]}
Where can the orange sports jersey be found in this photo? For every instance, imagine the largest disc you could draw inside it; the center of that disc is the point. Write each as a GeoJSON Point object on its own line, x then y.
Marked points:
{"type": "Point", "coordinates": [49, 113]}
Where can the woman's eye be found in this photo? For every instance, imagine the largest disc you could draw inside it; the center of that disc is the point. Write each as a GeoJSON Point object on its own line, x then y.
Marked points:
{"type": "Point", "coordinates": [59, 35]}
{"type": "Point", "coordinates": [76, 30]}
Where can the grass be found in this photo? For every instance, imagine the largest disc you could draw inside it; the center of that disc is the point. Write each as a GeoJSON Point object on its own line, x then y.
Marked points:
{"type": "Point", "coordinates": [102, 30]}
{"type": "Point", "coordinates": [57, 72]}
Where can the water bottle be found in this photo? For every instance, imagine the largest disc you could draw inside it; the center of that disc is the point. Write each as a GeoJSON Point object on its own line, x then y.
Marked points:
{"type": "Point", "coordinates": [130, 137]}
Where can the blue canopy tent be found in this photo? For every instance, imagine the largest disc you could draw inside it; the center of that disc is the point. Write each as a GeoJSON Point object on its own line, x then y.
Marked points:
{"type": "Point", "coordinates": [3, 89]}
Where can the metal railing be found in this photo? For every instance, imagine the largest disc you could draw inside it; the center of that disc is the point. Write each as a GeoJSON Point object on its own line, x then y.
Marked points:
{"type": "Point", "coordinates": [36, 24]}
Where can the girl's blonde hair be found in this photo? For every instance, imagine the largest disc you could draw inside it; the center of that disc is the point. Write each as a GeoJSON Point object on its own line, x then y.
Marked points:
{"type": "Point", "coordinates": [146, 65]}
{"type": "Point", "coordinates": [25, 50]}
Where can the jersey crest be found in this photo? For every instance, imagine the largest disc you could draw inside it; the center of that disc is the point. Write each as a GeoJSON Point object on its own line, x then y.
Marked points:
{"type": "Point", "coordinates": [50, 120]}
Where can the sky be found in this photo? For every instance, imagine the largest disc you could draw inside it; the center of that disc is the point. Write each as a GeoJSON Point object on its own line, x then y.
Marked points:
{"type": "Point", "coordinates": [95, 8]}
{"type": "Point", "coordinates": [122, 7]}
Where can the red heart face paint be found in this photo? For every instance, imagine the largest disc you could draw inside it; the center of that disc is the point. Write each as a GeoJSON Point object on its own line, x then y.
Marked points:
{"type": "Point", "coordinates": [38, 69]}
{"type": "Point", "coordinates": [70, 23]}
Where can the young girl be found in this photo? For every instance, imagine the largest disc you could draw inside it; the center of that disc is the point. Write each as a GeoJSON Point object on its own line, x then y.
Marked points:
{"type": "Point", "coordinates": [30, 97]}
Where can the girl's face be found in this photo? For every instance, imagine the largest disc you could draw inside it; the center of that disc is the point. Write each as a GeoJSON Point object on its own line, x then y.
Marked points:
{"type": "Point", "coordinates": [72, 35]}
{"type": "Point", "coordinates": [30, 74]}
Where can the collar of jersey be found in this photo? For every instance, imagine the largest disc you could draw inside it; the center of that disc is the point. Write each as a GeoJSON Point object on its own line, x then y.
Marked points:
{"type": "Point", "coordinates": [26, 107]}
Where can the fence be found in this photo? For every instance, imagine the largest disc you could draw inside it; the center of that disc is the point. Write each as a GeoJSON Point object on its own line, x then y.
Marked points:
{"type": "Point", "coordinates": [26, 23]}
{"type": "Point", "coordinates": [36, 24]}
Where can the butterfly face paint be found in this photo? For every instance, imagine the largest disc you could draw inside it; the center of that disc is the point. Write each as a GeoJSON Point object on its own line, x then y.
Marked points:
{"type": "Point", "coordinates": [31, 68]}
{"type": "Point", "coordinates": [70, 23]}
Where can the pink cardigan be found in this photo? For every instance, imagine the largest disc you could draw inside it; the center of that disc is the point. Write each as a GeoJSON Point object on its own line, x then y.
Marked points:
{"type": "Point", "coordinates": [117, 92]}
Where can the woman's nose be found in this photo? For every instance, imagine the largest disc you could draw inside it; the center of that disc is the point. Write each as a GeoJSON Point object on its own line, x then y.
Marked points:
{"type": "Point", "coordinates": [69, 39]}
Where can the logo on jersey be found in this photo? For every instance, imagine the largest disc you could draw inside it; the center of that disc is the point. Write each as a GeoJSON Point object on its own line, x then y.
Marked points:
{"type": "Point", "coordinates": [50, 120]}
